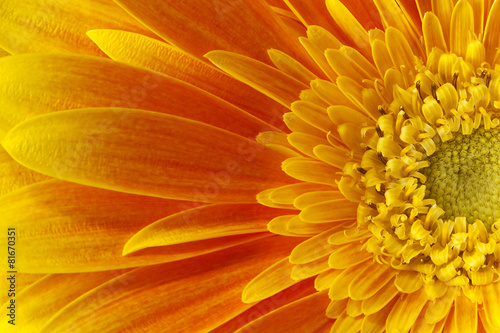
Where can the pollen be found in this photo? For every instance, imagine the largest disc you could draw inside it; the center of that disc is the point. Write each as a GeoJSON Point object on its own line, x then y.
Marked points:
{"type": "Point", "coordinates": [464, 176]}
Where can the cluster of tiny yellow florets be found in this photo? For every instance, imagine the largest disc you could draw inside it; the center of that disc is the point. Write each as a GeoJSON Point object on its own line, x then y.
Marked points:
{"type": "Point", "coordinates": [431, 194]}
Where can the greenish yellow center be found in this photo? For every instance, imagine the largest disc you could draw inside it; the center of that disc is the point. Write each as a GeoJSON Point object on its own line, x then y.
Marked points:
{"type": "Point", "coordinates": [464, 176]}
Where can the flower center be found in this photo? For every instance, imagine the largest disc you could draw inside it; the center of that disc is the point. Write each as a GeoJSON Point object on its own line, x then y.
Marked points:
{"type": "Point", "coordinates": [464, 176]}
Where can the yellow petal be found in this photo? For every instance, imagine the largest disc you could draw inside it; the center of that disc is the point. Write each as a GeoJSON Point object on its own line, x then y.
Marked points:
{"type": "Point", "coordinates": [348, 255]}
{"type": "Point", "coordinates": [305, 143]}
{"type": "Point", "coordinates": [14, 176]}
{"type": "Point", "coordinates": [491, 299]}
{"type": "Point", "coordinates": [347, 324]}
{"type": "Point", "coordinates": [313, 115]}
{"type": "Point", "coordinates": [290, 66]}
{"type": "Point", "coordinates": [329, 211]}
{"type": "Point", "coordinates": [269, 282]}
{"type": "Point", "coordinates": [465, 316]}
{"type": "Point", "coordinates": [492, 32]}
{"type": "Point", "coordinates": [49, 26]}
{"type": "Point", "coordinates": [311, 171]}
{"type": "Point", "coordinates": [313, 248]}
{"type": "Point", "coordinates": [408, 281]}
{"type": "Point", "coordinates": [375, 303]}
{"type": "Point", "coordinates": [349, 24]}
{"type": "Point", "coordinates": [406, 311]}
{"type": "Point", "coordinates": [394, 14]}
{"type": "Point", "coordinates": [149, 53]}
{"type": "Point", "coordinates": [443, 10]}
{"type": "Point", "coordinates": [338, 289]}
{"type": "Point", "coordinates": [438, 309]}
{"type": "Point", "coordinates": [399, 49]}
{"type": "Point", "coordinates": [462, 27]}
{"type": "Point", "coordinates": [264, 78]}
{"type": "Point", "coordinates": [313, 197]}
{"type": "Point", "coordinates": [211, 221]}
{"type": "Point", "coordinates": [433, 34]}
{"type": "Point", "coordinates": [368, 284]}
{"type": "Point", "coordinates": [97, 82]}
{"type": "Point", "coordinates": [129, 147]}
{"type": "Point", "coordinates": [288, 193]}
{"type": "Point", "coordinates": [304, 271]}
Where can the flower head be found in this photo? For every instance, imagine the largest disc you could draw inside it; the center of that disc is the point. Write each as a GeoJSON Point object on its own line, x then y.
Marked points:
{"type": "Point", "coordinates": [251, 165]}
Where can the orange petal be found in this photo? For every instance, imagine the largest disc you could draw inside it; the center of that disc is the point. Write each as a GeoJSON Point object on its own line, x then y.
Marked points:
{"type": "Point", "coordinates": [146, 153]}
{"type": "Point", "coordinates": [47, 296]}
{"type": "Point", "coordinates": [42, 84]}
{"type": "Point", "coordinates": [193, 295]}
{"type": "Point", "coordinates": [287, 296]}
{"type": "Point", "coordinates": [264, 78]}
{"type": "Point", "coordinates": [248, 27]}
{"type": "Point", "coordinates": [49, 26]}
{"type": "Point", "coordinates": [67, 233]}
{"type": "Point", "coordinates": [271, 281]}
{"type": "Point", "coordinates": [200, 223]}
{"type": "Point", "coordinates": [149, 53]}
{"type": "Point", "coordinates": [312, 12]}
{"type": "Point", "coordinates": [308, 312]}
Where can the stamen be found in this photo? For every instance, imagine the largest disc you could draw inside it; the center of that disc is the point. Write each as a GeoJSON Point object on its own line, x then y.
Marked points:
{"type": "Point", "coordinates": [363, 171]}
{"type": "Point", "coordinates": [380, 133]}
{"type": "Point", "coordinates": [488, 79]}
{"type": "Point", "coordinates": [405, 115]}
{"type": "Point", "coordinates": [380, 188]}
{"type": "Point", "coordinates": [455, 79]}
{"type": "Point", "coordinates": [381, 157]}
{"type": "Point", "coordinates": [417, 85]}
{"type": "Point", "coordinates": [433, 91]}
{"type": "Point", "coordinates": [382, 110]}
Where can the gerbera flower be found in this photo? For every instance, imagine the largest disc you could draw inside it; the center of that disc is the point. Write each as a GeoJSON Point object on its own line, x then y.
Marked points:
{"type": "Point", "coordinates": [237, 165]}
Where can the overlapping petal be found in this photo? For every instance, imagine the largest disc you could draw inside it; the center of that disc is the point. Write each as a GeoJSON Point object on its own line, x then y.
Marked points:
{"type": "Point", "coordinates": [48, 26]}
{"type": "Point", "coordinates": [149, 53]}
{"type": "Point", "coordinates": [146, 153]}
{"type": "Point", "coordinates": [64, 82]}
{"type": "Point", "coordinates": [248, 27]}
{"type": "Point", "coordinates": [63, 227]}
{"type": "Point", "coordinates": [199, 293]}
